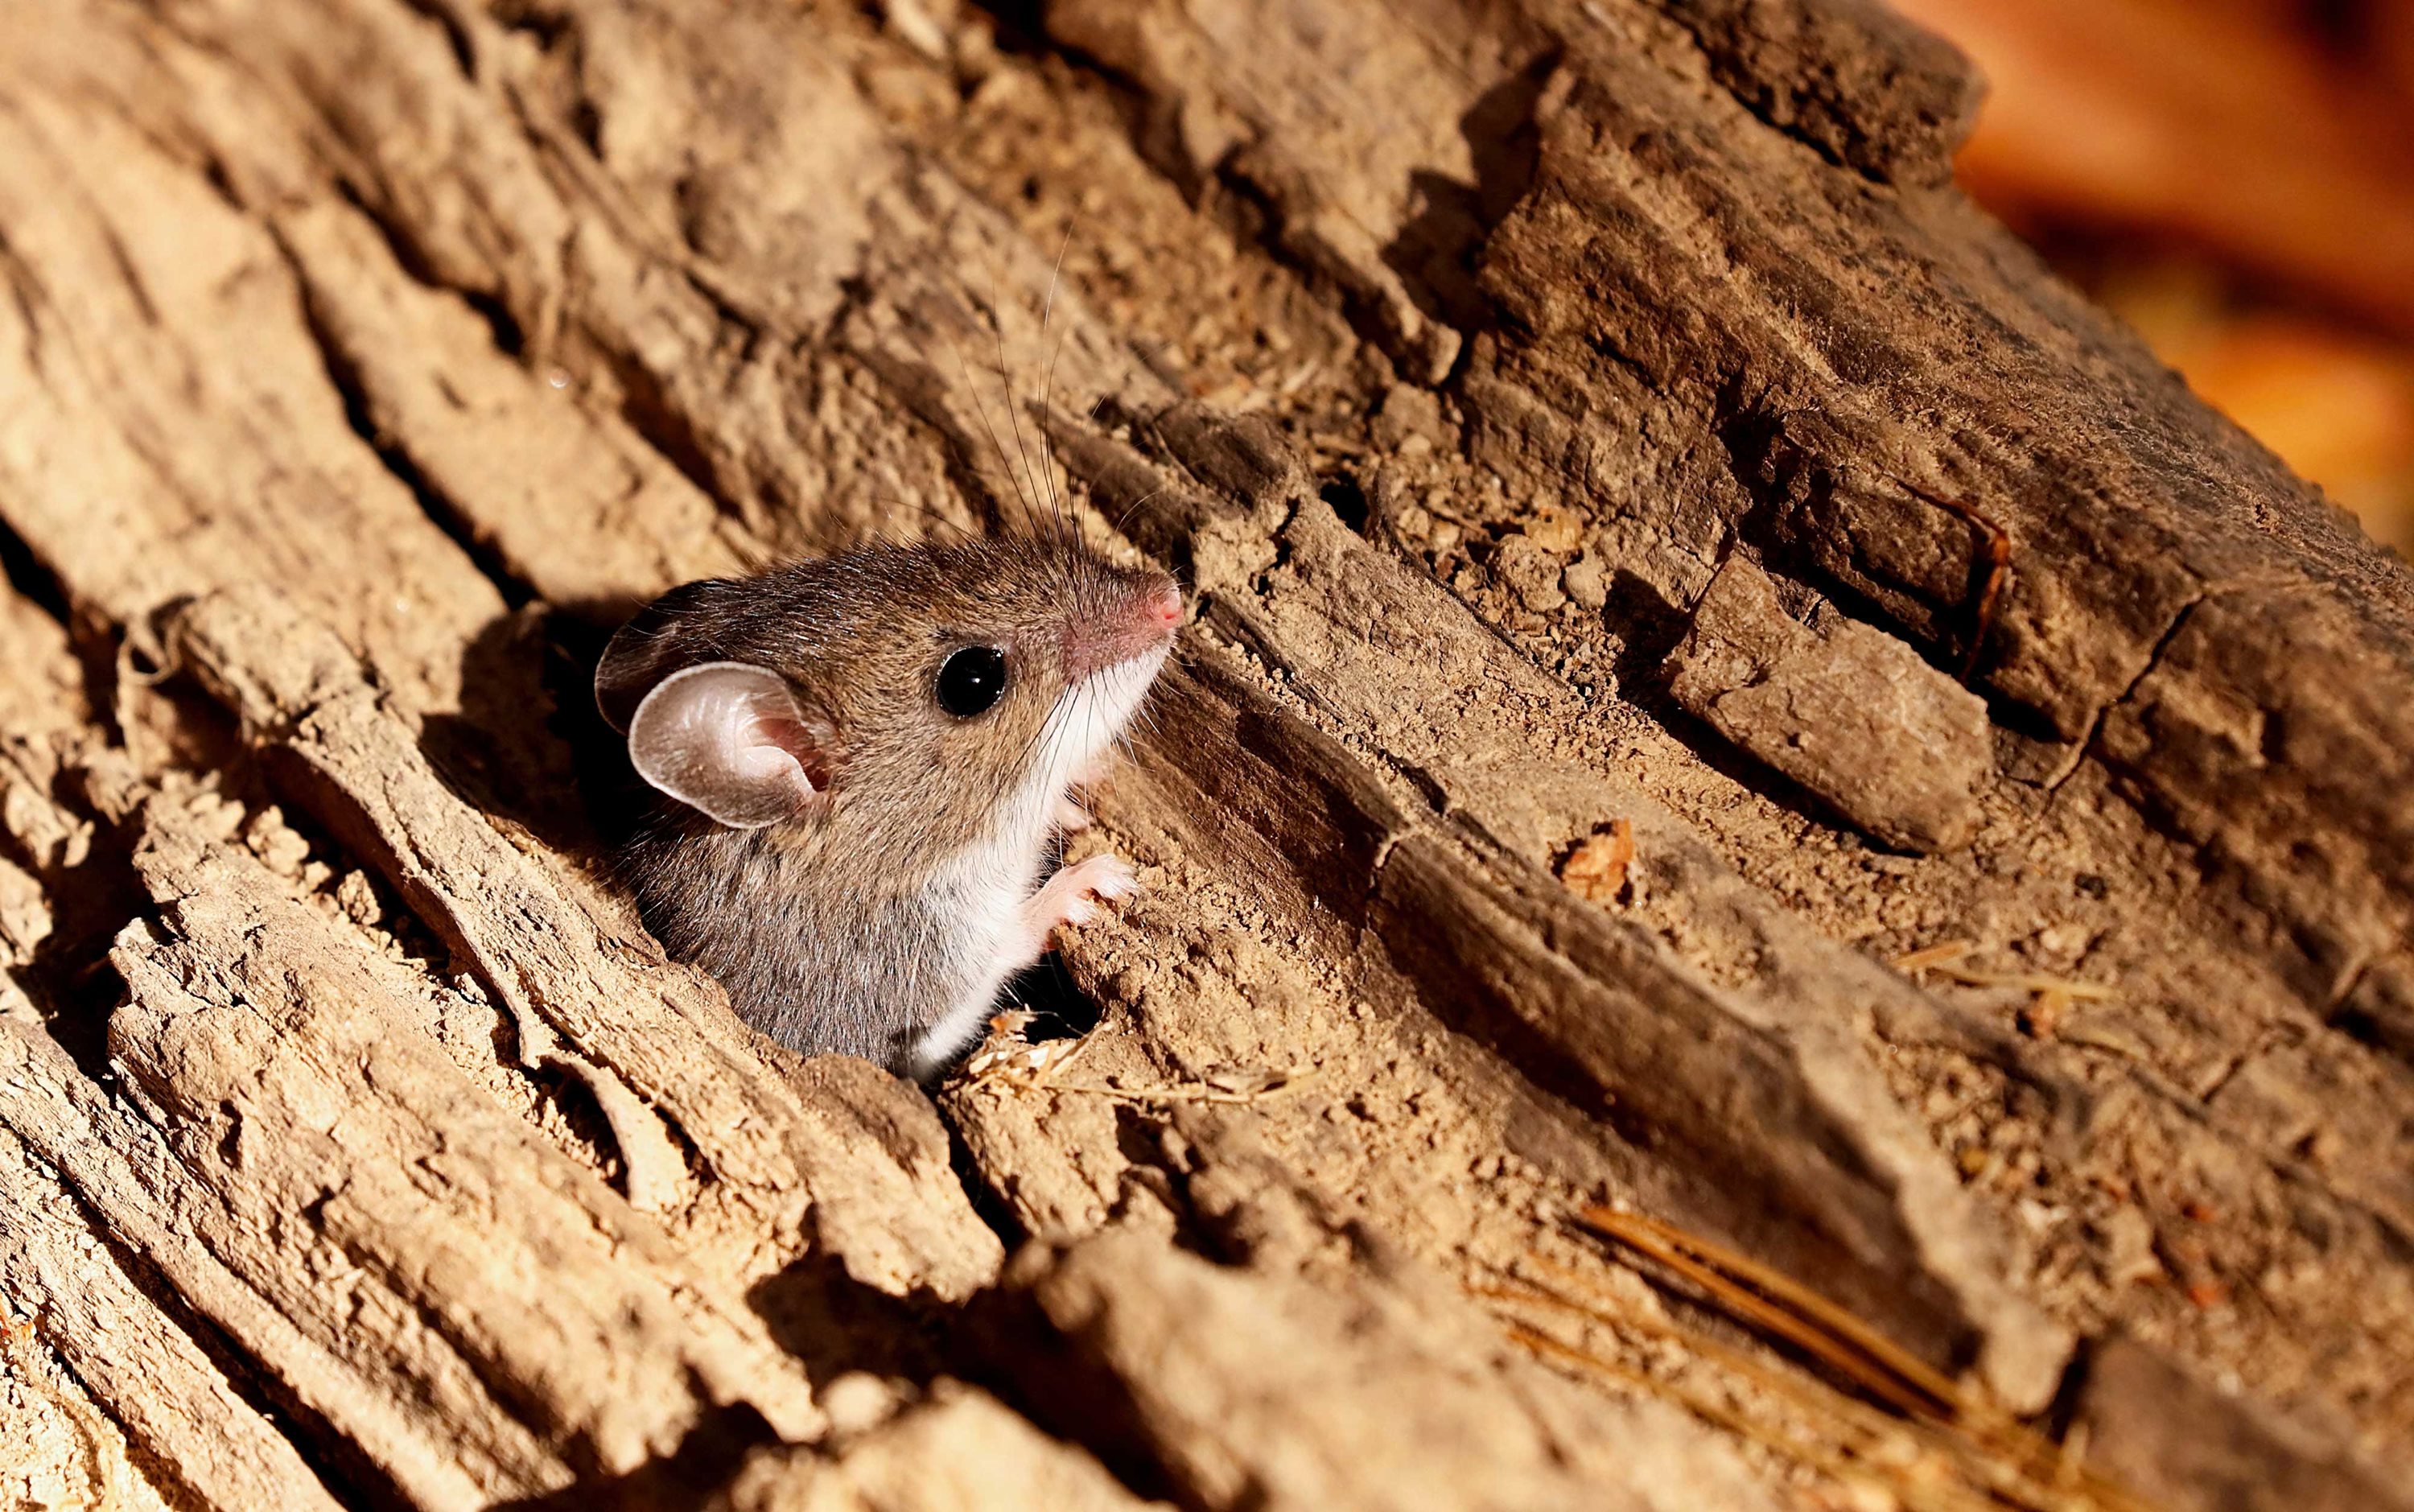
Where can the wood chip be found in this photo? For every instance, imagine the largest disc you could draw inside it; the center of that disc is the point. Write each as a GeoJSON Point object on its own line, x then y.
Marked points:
{"type": "Point", "coordinates": [1596, 870]}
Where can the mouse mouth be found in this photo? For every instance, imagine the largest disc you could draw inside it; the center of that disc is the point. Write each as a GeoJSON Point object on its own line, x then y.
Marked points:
{"type": "Point", "coordinates": [1110, 695]}
{"type": "Point", "coordinates": [1098, 708]}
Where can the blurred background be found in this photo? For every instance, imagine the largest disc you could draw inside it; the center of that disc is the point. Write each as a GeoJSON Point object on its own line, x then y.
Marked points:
{"type": "Point", "coordinates": [2236, 179]}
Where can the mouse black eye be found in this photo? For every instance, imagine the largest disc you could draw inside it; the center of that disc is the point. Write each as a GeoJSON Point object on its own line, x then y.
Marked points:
{"type": "Point", "coordinates": [970, 680]}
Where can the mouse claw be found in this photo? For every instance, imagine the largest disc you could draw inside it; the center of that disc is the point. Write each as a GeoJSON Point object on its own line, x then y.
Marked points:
{"type": "Point", "coordinates": [1098, 880]}
{"type": "Point", "coordinates": [1114, 879]}
{"type": "Point", "coordinates": [1069, 817]}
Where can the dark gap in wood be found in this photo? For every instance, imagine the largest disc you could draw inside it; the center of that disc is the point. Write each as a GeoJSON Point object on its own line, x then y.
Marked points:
{"type": "Point", "coordinates": [457, 33]}
{"type": "Point", "coordinates": [92, 645]}
{"type": "Point", "coordinates": [71, 976]}
{"type": "Point", "coordinates": [1347, 501]}
{"type": "Point", "coordinates": [28, 575]}
{"type": "Point", "coordinates": [501, 323]}
{"type": "Point", "coordinates": [440, 511]}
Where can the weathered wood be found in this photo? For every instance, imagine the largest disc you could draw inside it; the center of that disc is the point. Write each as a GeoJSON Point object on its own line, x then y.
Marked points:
{"type": "Point", "coordinates": [175, 1406]}
{"type": "Point", "coordinates": [1448, 351]}
{"type": "Point", "coordinates": [167, 390]}
{"type": "Point", "coordinates": [571, 1340]}
{"type": "Point", "coordinates": [1684, 364]}
{"type": "Point", "coordinates": [960, 1448]}
{"type": "Point", "coordinates": [1264, 1391]}
{"type": "Point", "coordinates": [1798, 698]}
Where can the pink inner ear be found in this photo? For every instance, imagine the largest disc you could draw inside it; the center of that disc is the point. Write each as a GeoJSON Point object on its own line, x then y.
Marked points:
{"type": "Point", "coordinates": [727, 740]}
{"type": "Point", "coordinates": [794, 738]}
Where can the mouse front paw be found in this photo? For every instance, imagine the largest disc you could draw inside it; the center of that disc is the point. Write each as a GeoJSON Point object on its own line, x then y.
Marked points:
{"type": "Point", "coordinates": [1073, 897]}
{"type": "Point", "coordinates": [1069, 817]}
{"type": "Point", "coordinates": [1089, 883]}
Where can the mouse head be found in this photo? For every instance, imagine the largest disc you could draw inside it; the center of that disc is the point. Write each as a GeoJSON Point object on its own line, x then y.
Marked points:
{"type": "Point", "coordinates": [919, 687]}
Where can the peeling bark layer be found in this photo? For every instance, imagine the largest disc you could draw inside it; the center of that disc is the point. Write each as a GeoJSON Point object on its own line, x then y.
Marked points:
{"type": "Point", "coordinates": [366, 361]}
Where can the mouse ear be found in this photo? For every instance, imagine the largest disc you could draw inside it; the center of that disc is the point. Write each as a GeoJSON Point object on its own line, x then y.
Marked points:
{"type": "Point", "coordinates": [729, 739]}
{"type": "Point", "coordinates": [660, 636]}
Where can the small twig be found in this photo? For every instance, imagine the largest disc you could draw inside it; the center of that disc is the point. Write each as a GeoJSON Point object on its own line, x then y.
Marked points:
{"type": "Point", "coordinates": [2086, 992]}
{"type": "Point", "coordinates": [1809, 1397]}
{"type": "Point", "coordinates": [1941, 954]}
{"type": "Point", "coordinates": [1999, 565]}
{"type": "Point", "coordinates": [1081, 1047]}
{"type": "Point", "coordinates": [1945, 961]}
{"type": "Point", "coordinates": [2003, 1462]}
{"type": "Point", "coordinates": [1779, 1305]}
{"type": "Point", "coordinates": [2013, 1465]}
{"type": "Point", "coordinates": [1005, 1060]}
{"type": "Point", "coordinates": [1801, 1451]}
{"type": "Point", "coordinates": [1758, 1294]}
{"type": "Point", "coordinates": [1285, 1082]}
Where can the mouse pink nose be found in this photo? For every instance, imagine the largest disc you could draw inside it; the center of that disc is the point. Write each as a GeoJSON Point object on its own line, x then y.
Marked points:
{"type": "Point", "coordinates": [1144, 623]}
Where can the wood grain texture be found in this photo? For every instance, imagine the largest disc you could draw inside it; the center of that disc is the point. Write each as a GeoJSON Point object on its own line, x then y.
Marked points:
{"type": "Point", "coordinates": [367, 360]}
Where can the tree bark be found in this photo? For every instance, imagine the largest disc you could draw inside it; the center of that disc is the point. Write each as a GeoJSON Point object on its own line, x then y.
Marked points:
{"type": "Point", "coordinates": [364, 362]}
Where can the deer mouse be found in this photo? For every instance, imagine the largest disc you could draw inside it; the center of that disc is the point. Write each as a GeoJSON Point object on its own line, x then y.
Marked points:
{"type": "Point", "coordinates": [861, 761]}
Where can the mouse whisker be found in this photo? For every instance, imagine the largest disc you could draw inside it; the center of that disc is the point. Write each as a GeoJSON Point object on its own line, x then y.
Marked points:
{"type": "Point", "coordinates": [1090, 423]}
{"type": "Point", "coordinates": [1065, 537]}
{"type": "Point", "coordinates": [1048, 726]}
{"type": "Point", "coordinates": [1006, 383]}
{"type": "Point", "coordinates": [981, 408]}
{"type": "Point", "coordinates": [1039, 739]}
{"type": "Point", "coordinates": [927, 510]}
{"type": "Point", "coordinates": [1047, 378]}
{"type": "Point", "coordinates": [1133, 508]}
{"type": "Point", "coordinates": [1181, 655]}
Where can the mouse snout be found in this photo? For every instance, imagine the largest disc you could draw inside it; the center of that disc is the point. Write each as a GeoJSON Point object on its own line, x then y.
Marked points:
{"type": "Point", "coordinates": [1143, 622]}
